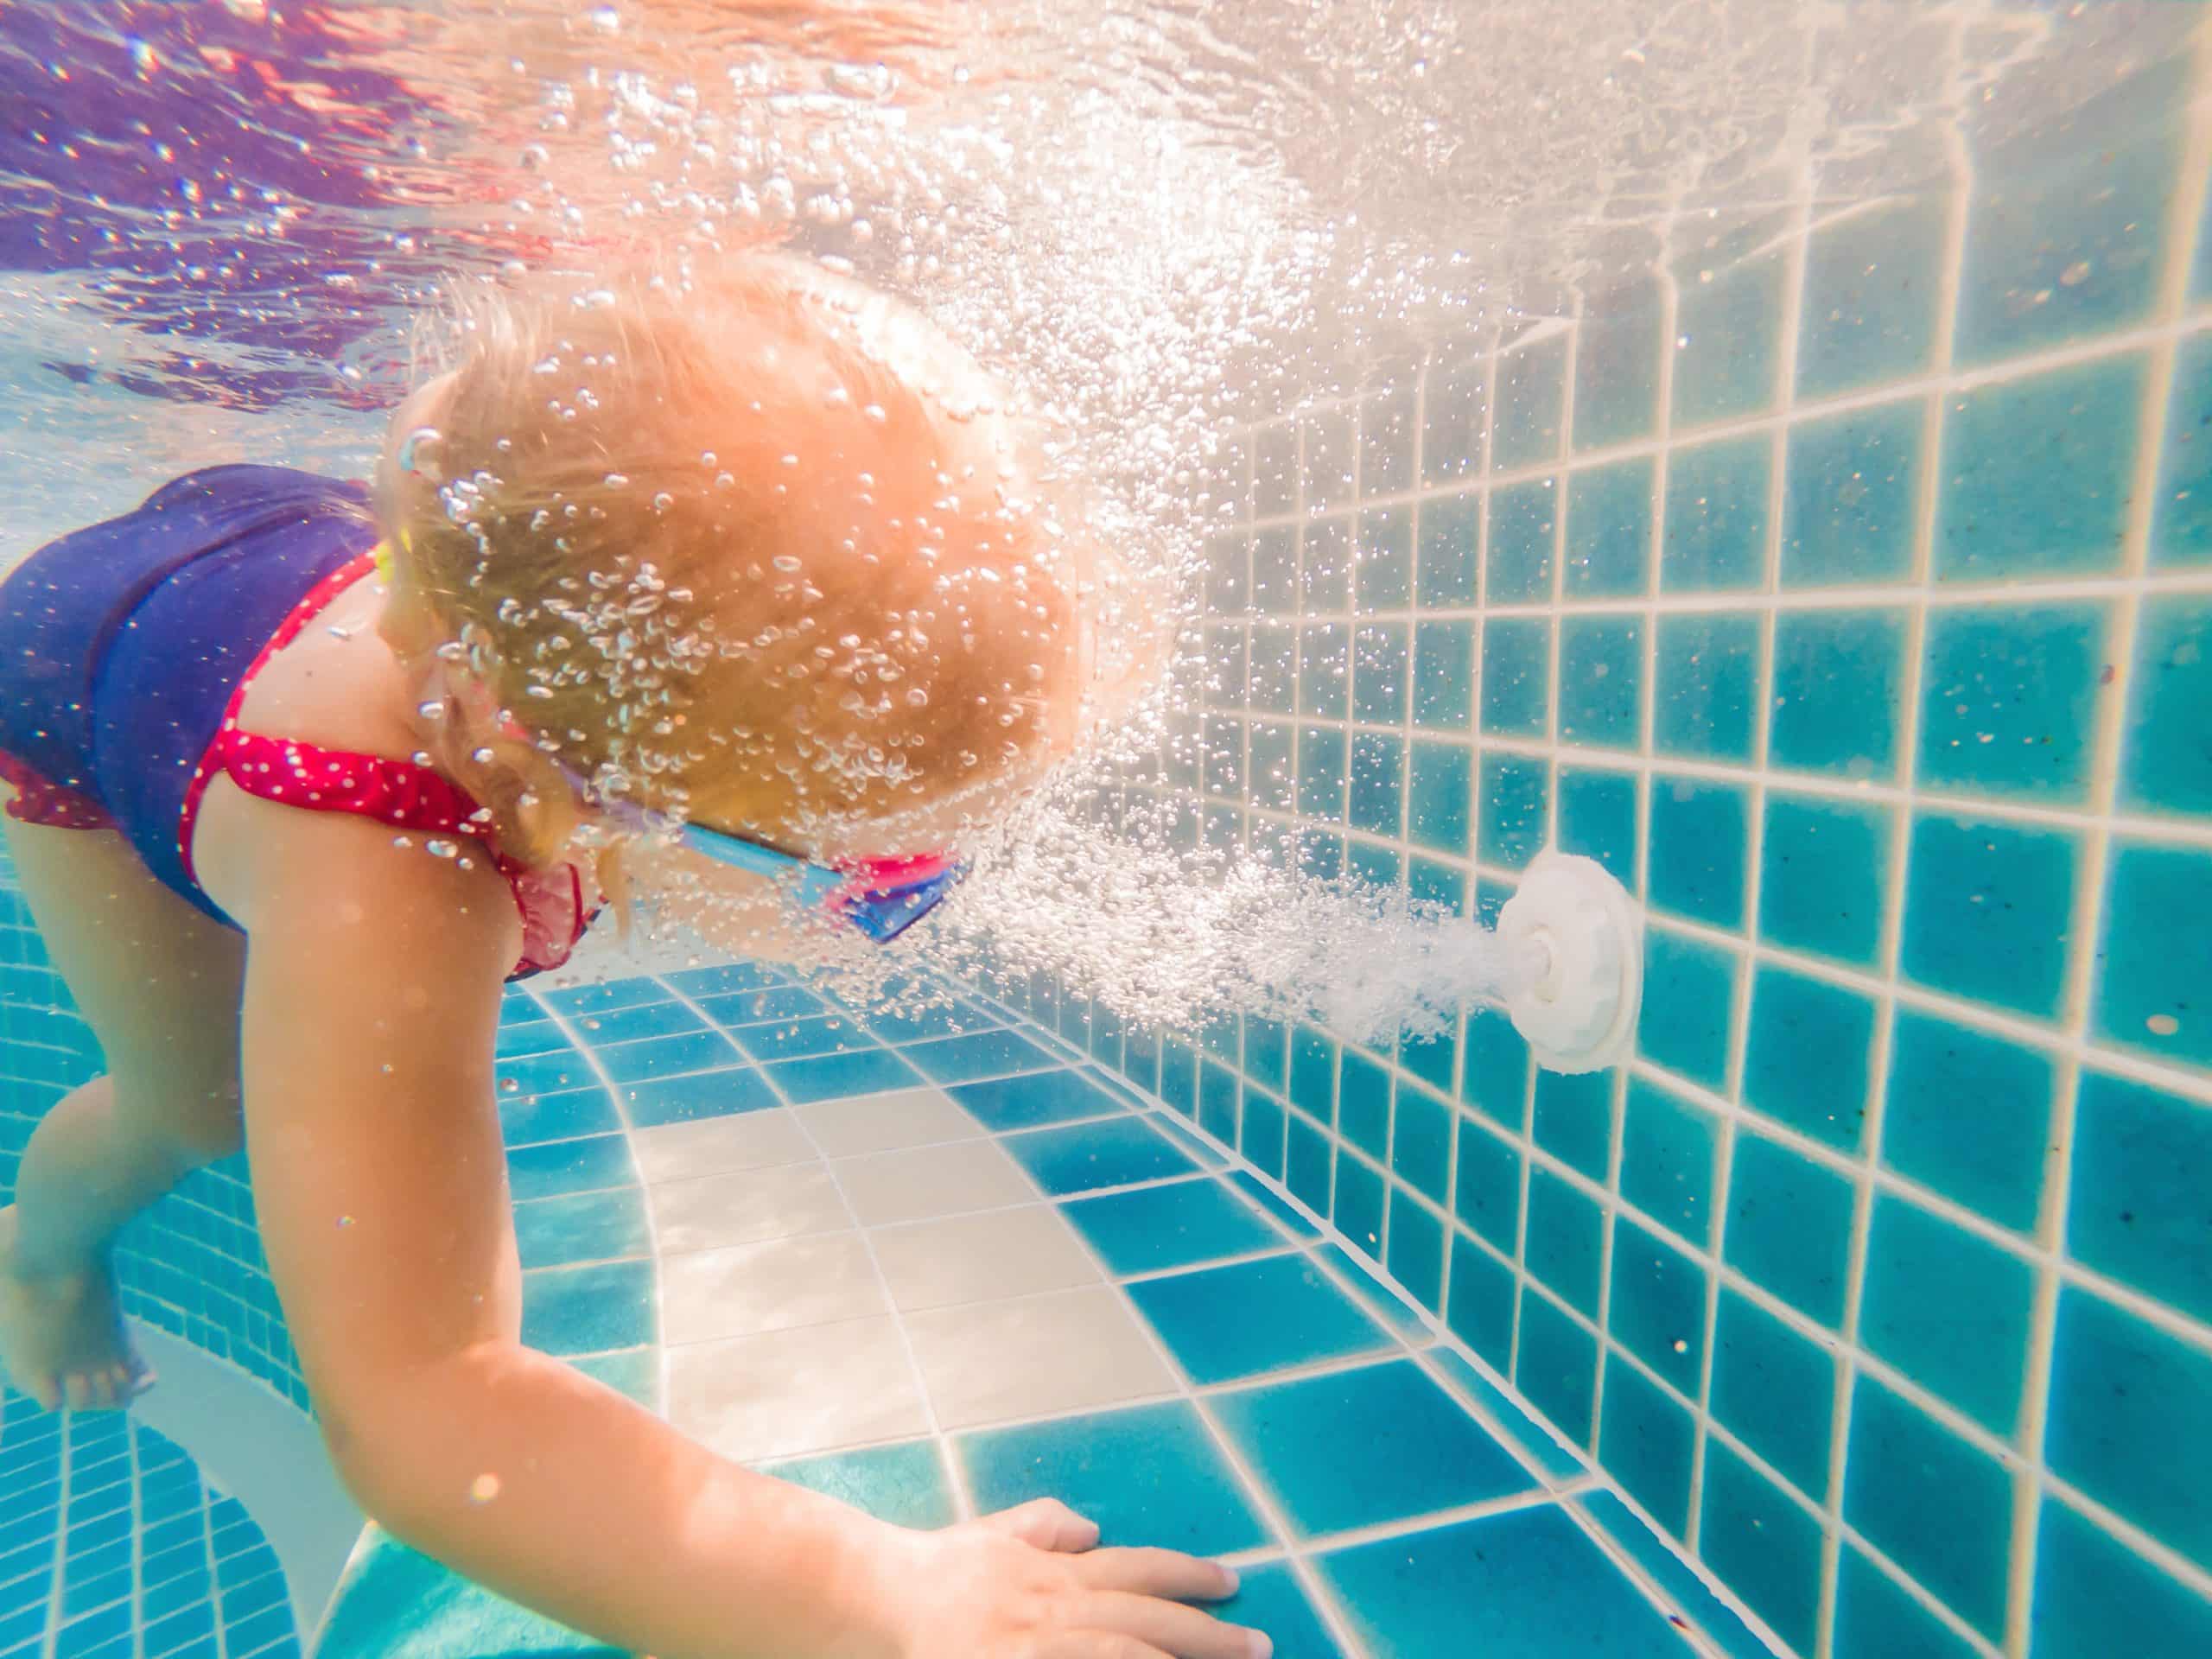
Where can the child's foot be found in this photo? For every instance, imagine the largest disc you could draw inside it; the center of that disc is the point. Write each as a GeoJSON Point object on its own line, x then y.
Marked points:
{"type": "Point", "coordinates": [61, 1339]}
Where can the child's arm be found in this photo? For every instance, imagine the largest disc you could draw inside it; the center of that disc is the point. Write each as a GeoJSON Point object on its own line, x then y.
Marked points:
{"type": "Point", "coordinates": [372, 993]}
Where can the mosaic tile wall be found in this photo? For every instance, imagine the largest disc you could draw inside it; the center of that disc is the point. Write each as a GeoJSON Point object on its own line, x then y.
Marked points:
{"type": "Point", "coordinates": [1846, 589]}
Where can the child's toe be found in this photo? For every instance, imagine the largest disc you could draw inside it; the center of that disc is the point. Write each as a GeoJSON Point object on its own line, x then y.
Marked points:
{"type": "Point", "coordinates": [76, 1391]}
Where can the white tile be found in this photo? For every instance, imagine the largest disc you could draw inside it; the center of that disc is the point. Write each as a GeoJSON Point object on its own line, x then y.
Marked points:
{"type": "Point", "coordinates": [787, 1392]}
{"type": "Point", "coordinates": [983, 1258]}
{"type": "Point", "coordinates": [927, 1181]}
{"type": "Point", "coordinates": [715, 1146]}
{"type": "Point", "coordinates": [1065, 1351]}
{"type": "Point", "coordinates": [777, 1284]}
{"type": "Point", "coordinates": [903, 1117]}
{"type": "Point", "coordinates": [744, 1206]}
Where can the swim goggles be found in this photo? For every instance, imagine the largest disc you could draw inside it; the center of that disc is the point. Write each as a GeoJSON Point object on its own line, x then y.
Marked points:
{"type": "Point", "coordinates": [879, 896]}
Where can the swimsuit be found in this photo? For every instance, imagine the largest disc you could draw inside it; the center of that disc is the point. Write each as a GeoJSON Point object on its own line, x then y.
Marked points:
{"type": "Point", "coordinates": [125, 652]}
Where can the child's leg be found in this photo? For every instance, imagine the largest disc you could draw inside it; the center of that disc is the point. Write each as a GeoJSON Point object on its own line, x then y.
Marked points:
{"type": "Point", "coordinates": [159, 983]}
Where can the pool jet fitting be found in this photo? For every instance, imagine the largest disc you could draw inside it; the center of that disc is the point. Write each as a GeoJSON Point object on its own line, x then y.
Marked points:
{"type": "Point", "coordinates": [1583, 937]}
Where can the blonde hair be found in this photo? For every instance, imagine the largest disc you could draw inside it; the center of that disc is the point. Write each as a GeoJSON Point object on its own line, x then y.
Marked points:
{"type": "Point", "coordinates": [759, 548]}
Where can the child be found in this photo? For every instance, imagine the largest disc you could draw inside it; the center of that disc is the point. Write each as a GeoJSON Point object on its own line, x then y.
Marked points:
{"type": "Point", "coordinates": [716, 596]}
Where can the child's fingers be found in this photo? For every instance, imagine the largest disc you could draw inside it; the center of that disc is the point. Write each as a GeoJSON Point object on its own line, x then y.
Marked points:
{"type": "Point", "coordinates": [1045, 1523]}
{"type": "Point", "coordinates": [1158, 1573]}
{"type": "Point", "coordinates": [1172, 1628]}
{"type": "Point", "coordinates": [1099, 1644]}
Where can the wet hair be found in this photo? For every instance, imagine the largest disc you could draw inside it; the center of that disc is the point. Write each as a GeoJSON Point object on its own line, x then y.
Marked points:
{"type": "Point", "coordinates": [757, 547]}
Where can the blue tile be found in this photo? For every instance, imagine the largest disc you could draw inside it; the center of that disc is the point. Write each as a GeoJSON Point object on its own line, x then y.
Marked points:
{"type": "Point", "coordinates": [2095, 1597]}
{"type": "Point", "coordinates": [1531, 393]}
{"type": "Point", "coordinates": [1447, 550]}
{"type": "Point", "coordinates": [526, 1119]}
{"type": "Point", "coordinates": [1172, 1226]}
{"type": "Point", "coordinates": [1727, 340]}
{"type": "Point", "coordinates": [1110, 1152]}
{"type": "Point", "coordinates": [1935, 1505]}
{"type": "Point", "coordinates": [2151, 996]}
{"type": "Point", "coordinates": [1419, 1452]}
{"type": "Point", "coordinates": [1321, 753]}
{"type": "Point", "coordinates": [634, 1372]}
{"type": "Point", "coordinates": [1689, 993]}
{"type": "Point", "coordinates": [1990, 1160]}
{"type": "Point", "coordinates": [589, 1310]}
{"type": "Point", "coordinates": [1788, 1227]}
{"type": "Point", "coordinates": [727, 980]}
{"type": "Point", "coordinates": [1949, 1310]}
{"type": "Point", "coordinates": [1151, 1476]}
{"type": "Point", "coordinates": [828, 1077]}
{"type": "Point", "coordinates": [1275, 571]}
{"type": "Point", "coordinates": [1456, 413]}
{"type": "Point", "coordinates": [1275, 469]}
{"type": "Point", "coordinates": [1872, 283]}
{"type": "Point", "coordinates": [1226, 1322]}
{"type": "Point", "coordinates": [1601, 681]}
{"type": "Point", "coordinates": [706, 1094]}
{"type": "Point", "coordinates": [1851, 497]}
{"type": "Point", "coordinates": [2037, 472]}
{"type": "Point", "coordinates": [1437, 796]}
{"type": "Point", "coordinates": [1699, 832]}
{"type": "Point", "coordinates": [1716, 517]}
{"type": "Point", "coordinates": [1383, 566]}
{"type": "Point", "coordinates": [2181, 531]}
{"type": "Point", "coordinates": [1414, 1253]}
{"type": "Point", "coordinates": [1556, 1369]}
{"type": "Point", "coordinates": [1668, 1148]}
{"type": "Point", "coordinates": [2130, 1421]}
{"type": "Point", "coordinates": [584, 1227]}
{"type": "Point", "coordinates": [1272, 1205]}
{"type": "Point", "coordinates": [1823, 875]}
{"type": "Point", "coordinates": [1269, 1598]}
{"type": "Point", "coordinates": [764, 1006]}
{"type": "Point", "coordinates": [1324, 553]}
{"type": "Point", "coordinates": [1036, 1098]}
{"type": "Point", "coordinates": [1572, 1118]}
{"type": "Point", "coordinates": [2167, 766]}
{"type": "Point", "coordinates": [1837, 681]}
{"type": "Point", "coordinates": [903, 1484]}
{"type": "Point", "coordinates": [1658, 1310]}
{"type": "Point", "coordinates": [1707, 696]}
{"type": "Point", "coordinates": [1609, 530]}
{"type": "Point", "coordinates": [635, 1023]}
{"type": "Point", "coordinates": [1488, 1198]}
{"type": "Point", "coordinates": [562, 1166]}
{"type": "Point", "coordinates": [1596, 818]}
{"type": "Point", "coordinates": [2008, 699]}
{"type": "Point", "coordinates": [1986, 910]}
{"type": "Point", "coordinates": [1421, 1141]}
{"type": "Point", "coordinates": [1775, 1390]}
{"type": "Point", "coordinates": [2138, 1208]}
{"type": "Point", "coordinates": [793, 1039]}
{"type": "Point", "coordinates": [602, 998]}
{"type": "Point", "coordinates": [1675, 1581]}
{"type": "Point", "coordinates": [1377, 783]}
{"type": "Point", "coordinates": [1363, 1103]}
{"type": "Point", "coordinates": [1512, 794]}
{"type": "Point", "coordinates": [980, 1054]}
{"type": "Point", "coordinates": [1330, 457]}
{"type": "Point", "coordinates": [525, 1039]}
{"type": "Point", "coordinates": [1516, 667]}
{"type": "Point", "coordinates": [1760, 1545]}
{"type": "Point", "coordinates": [1565, 1239]}
{"type": "Point", "coordinates": [1443, 679]}
{"type": "Point", "coordinates": [1645, 1441]}
{"type": "Point", "coordinates": [1379, 677]}
{"type": "Point", "coordinates": [554, 1073]}
{"type": "Point", "coordinates": [1529, 1584]}
{"type": "Point", "coordinates": [1617, 352]}
{"type": "Point", "coordinates": [667, 1057]}
{"type": "Point", "coordinates": [1273, 772]}
{"type": "Point", "coordinates": [1874, 1615]}
{"type": "Point", "coordinates": [1811, 1043]}
{"type": "Point", "coordinates": [1357, 1204]}
{"type": "Point", "coordinates": [1274, 665]}
{"type": "Point", "coordinates": [1523, 537]}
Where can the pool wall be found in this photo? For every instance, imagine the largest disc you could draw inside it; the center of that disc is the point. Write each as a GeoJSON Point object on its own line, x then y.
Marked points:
{"type": "Point", "coordinates": [1846, 590]}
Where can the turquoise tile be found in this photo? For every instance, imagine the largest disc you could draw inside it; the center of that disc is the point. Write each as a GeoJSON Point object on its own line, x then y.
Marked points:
{"type": "Point", "coordinates": [1658, 1310]}
{"type": "Point", "coordinates": [1420, 1453]}
{"type": "Point", "coordinates": [1324, 671]}
{"type": "Point", "coordinates": [527, 1120]}
{"type": "Point", "coordinates": [1274, 468]}
{"type": "Point", "coordinates": [2037, 472]}
{"type": "Point", "coordinates": [1273, 771]}
{"type": "Point", "coordinates": [558, 1073]}
{"type": "Point", "coordinates": [1556, 1369]}
{"type": "Point", "coordinates": [1788, 1228]}
{"type": "Point", "coordinates": [1221, 756]}
{"type": "Point", "coordinates": [1608, 553]}
{"type": "Point", "coordinates": [1377, 783]}
{"type": "Point", "coordinates": [1716, 517]}
{"type": "Point", "coordinates": [1109, 1152]}
{"type": "Point", "coordinates": [1438, 795]}
{"type": "Point", "coordinates": [589, 1310]}
{"type": "Point", "coordinates": [1986, 911]}
{"type": "Point", "coordinates": [1269, 1599]}
{"type": "Point", "coordinates": [1225, 1323]}
{"type": "Point", "coordinates": [1455, 411]}
{"type": "Point", "coordinates": [1379, 677]}
{"type": "Point", "coordinates": [1413, 1252]}
{"type": "Point", "coordinates": [1935, 1505]}
{"type": "Point", "coordinates": [1325, 561]}
{"type": "Point", "coordinates": [1806, 1065]}
{"type": "Point", "coordinates": [2065, 231]}
{"type": "Point", "coordinates": [2130, 1421]}
{"type": "Point", "coordinates": [1380, 868]}
{"type": "Point", "coordinates": [1314, 1074]}
{"type": "Point", "coordinates": [2139, 1204]}
{"type": "Point", "coordinates": [607, 996]}
{"type": "Point", "coordinates": [978, 1054]}
{"type": "Point", "coordinates": [1217, 1103]}
{"type": "Point", "coordinates": [1572, 1118]}
{"type": "Point", "coordinates": [1035, 1099]}
{"type": "Point", "coordinates": [2095, 1597]}
{"type": "Point", "coordinates": [1601, 681]}
{"type": "Point", "coordinates": [728, 979]}
{"type": "Point", "coordinates": [1838, 677]}
{"type": "Point", "coordinates": [1487, 1194]}
{"type": "Point", "coordinates": [1699, 833]}
{"type": "Point", "coordinates": [1262, 1137]}
{"type": "Point", "coordinates": [1275, 571]}
{"type": "Point", "coordinates": [634, 1373]}
{"type": "Point", "coordinates": [395, 1604]}
{"type": "Point", "coordinates": [1707, 693]}
{"type": "Point", "coordinates": [1689, 994]}
{"type": "Point", "coordinates": [904, 1484]}
{"type": "Point", "coordinates": [1308, 1165]}
{"type": "Point", "coordinates": [1645, 1442]}
{"type": "Point", "coordinates": [1873, 1614]}
{"type": "Point", "coordinates": [1596, 818]}
{"type": "Point", "coordinates": [1565, 1239]}
{"type": "Point", "coordinates": [1511, 809]}
{"type": "Point", "coordinates": [1524, 531]}
{"type": "Point", "coordinates": [1760, 1545]}
{"type": "Point", "coordinates": [1494, 1079]}
{"type": "Point", "coordinates": [1382, 566]}
{"type": "Point", "coordinates": [1851, 498]}
{"type": "Point", "coordinates": [1515, 667]}
{"type": "Point", "coordinates": [1774, 1391]}
{"type": "Point", "coordinates": [2181, 531]}
{"type": "Point", "coordinates": [1321, 753]}
{"type": "Point", "coordinates": [633, 1024]}
{"type": "Point", "coordinates": [1444, 676]}
{"type": "Point", "coordinates": [733, 1010]}
{"type": "Point", "coordinates": [1388, 433]}
{"type": "Point", "coordinates": [1948, 1309]}
{"type": "Point", "coordinates": [797, 1038]}
{"type": "Point", "coordinates": [1531, 393]}
{"type": "Point", "coordinates": [1823, 875]}
{"type": "Point", "coordinates": [1529, 1584]}
{"type": "Point", "coordinates": [1359, 1203]}
{"type": "Point", "coordinates": [1728, 341]}
{"type": "Point", "coordinates": [1676, 1580]}
{"type": "Point", "coordinates": [1150, 1476]}
{"type": "Point", "coordinates": [1668, 1149]}
{"type": "Point", "coordinates": [826, 1077]}
{"type": "Point", "coordinates": [1381, 1298]}
{"type": "Point", "coordinates": [2155, 991]}
{"type": "Point", "coordinates": [1272, 1205]}
{"type": "Point", "coordinates": [705, 1094]}
{"type": "Point", "coordinates": [1991, 1159]}
{"type": "Point", "coordinates": [564, 1166]}
{"type": "Point", "coordinates": [1228, 572]}
{"type": "Point", "coordinates": [1267, 1047]}
{"type": "Point", "coordinates": [1538, 1449]}
{"type": "Point", "coordinates": [582, 1227]}
{"type": "Point", "coordinates": [1421, 1141]}
{"type": "Point", "coordinates": [527, 1038]}
{"type": "Point", "coordinates": [2007, 699]}
{"type": "Point", "coordinates": [1447, 550]}
{"type": "Point", "coordinates": [1618, 342]}
{"type": "Point", "coordinates": [1872, 285]}
{"type": "Point", "coordinates": [2167, 764]}
{"type": "Point", "coordinates": [1332, 452]}
{"type": "Point", "coordinates": [1273, 656]}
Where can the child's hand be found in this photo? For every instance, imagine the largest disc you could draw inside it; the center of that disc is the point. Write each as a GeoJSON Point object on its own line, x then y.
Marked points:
{"type": "Point", "coordinates": [1027, 1584]}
